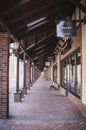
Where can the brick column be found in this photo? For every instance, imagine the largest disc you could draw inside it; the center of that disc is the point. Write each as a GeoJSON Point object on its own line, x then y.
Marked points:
{"type": "Point", "coordinates": [4, 75]}
{"type": "Point", "coordinates": [33, 73]}
{"type": "Point", "coordinates": [36, 73]}
{"type": "Point", "coordinates": [28, 74]}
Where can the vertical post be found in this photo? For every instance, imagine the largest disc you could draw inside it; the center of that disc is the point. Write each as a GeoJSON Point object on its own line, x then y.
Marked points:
{"type": "Point", "coordinates": [31, 80]}
{"type": "Point", "coordinates": [4, 75]}
{"type": "Point", "coordinates": [28, 74]}
{"type": "Point", "coordinates": [83, 64]}
{"type": "Point", "coordinates": [24, 78]}
{"type": "Point", "coordinates": [67, 89]}
{"type": "Point", "coordinates": [32, 72]}
{"type": "Point", "coordinates": [17, 73]}
{"type": "Point", "coordinates": [52, 71]}
{"type": "Point", "coordinates": [17, 95]}
{"type": "Point", "coordinates": [58, 70]}
{"type": "Point", "coordinates": [24, 58]}
{"type": "Point", "coordinates": [75, 74]}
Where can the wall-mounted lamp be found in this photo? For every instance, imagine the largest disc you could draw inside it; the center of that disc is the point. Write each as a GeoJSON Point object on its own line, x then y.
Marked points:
{"type": "Point", "coordinates": [45, 68]}
{"type": "Point", "coordinates": [15, 46]}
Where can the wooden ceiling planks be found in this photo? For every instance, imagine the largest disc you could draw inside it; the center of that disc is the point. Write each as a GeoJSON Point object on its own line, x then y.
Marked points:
{"type": "Point", "coordinates": [16, 15]}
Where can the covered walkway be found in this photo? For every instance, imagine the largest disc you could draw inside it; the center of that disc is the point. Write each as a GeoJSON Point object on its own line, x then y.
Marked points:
{"type": "Point", "coordinates": [43, 109]}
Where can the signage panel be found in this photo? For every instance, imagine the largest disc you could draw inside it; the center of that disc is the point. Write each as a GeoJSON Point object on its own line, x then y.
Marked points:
{"type": "Point", "coordinates": [66, 28]}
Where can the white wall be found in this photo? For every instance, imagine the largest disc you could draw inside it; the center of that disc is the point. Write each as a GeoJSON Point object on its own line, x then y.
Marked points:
{"type": "Point", "coordinates": [84, 63]}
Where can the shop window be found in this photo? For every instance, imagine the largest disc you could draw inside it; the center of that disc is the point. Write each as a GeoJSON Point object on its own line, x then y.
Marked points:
{"type": "Point", "coordinates": [78, 71]}
{"type": "Point", "coordinates": [55, 73]}
{"type": "Point", "coordinates": [71, 73]}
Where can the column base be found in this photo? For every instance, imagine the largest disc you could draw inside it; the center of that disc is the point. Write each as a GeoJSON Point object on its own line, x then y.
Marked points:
{"type": "Point", "coordinates": [24, 90]}
{"type": "Point", "coordinates": [28, 88]}
{"type": "Point", "coordinates": [17, 97]}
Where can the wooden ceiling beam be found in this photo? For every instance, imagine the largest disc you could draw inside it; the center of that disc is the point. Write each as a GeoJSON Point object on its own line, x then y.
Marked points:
{"type": "Point", "coordinates": [31, 32]}
{"type": "Point", "coordinates": [39, 29]}
{"type": "Point", "coordinates": [48, 49]}
{"type": "Point", "coordinates": [48, 12]}
{"type": "Point", "coordinates": [42, 51]}
{"type": "Point", "coordinates": [40, 7]}
{"type": "Point", "coordinates": [39, 48]}
{"type": "Point", "coordinates": [44, 40]}
{"type": "Point", "coordinates": [44, 46]}
{"type": "Point", "coordinates": [46, 54]}
{"type": "Point", "coordinates": [31, 28]}
{"type": "Point", "coordinates": [5, 27]}
{"type": "Point", "coordinates": [35, 59]}
{"type": "Point", "coordinates": [20, 29]}
{"type": "Point", "coordinates": [39, 43]}
{"type": "Point", "coordinates": [15, 7]}
{"type": "Point", "coordinates": [23, 23]}
{"type": "Point", "coordinates": [62, 13]}
{"type": "Point", "coordinates": [79, 5]}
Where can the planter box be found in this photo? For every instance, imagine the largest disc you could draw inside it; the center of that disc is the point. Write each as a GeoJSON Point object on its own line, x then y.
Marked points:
{"type": "Point", "coordinates": [17, 97]}
{"type": "Point", "coordinates": [24, 90]}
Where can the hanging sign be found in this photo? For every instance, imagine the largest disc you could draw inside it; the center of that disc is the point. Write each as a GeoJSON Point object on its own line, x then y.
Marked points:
{"type": "Point", "coordinates": [66, 28]}
{"type": "Point", "coordinates": [47, 63]}
{"type": "Point", "coordinates": [50, 58]}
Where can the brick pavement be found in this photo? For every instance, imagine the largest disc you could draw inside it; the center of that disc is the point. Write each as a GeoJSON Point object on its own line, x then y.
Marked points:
{"type": "Point", "coordinates": [43, 109]}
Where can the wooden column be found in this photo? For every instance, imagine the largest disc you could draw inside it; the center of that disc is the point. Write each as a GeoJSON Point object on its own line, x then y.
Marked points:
{"type": "Point", "coordinates": [24, 78]}
{"type": "Point", "coordinates": [58, 69]}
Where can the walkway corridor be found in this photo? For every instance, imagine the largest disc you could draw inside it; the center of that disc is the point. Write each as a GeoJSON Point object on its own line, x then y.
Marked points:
{"type": "Point", "coordinates": [43, 109]}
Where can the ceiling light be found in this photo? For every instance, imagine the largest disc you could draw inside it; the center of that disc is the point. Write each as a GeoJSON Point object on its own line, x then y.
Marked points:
{"type": "Point", "coordinates": [36, 21]}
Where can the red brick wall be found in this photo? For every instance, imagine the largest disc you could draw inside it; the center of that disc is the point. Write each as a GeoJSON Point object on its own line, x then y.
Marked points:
{"type": "Point", "coordinates": [33, 73]}
{"type": "Point", "coordinates": [4, 75]}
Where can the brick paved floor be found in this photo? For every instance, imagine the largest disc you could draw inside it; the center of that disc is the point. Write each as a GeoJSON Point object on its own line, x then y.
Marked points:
{"type": "Point", "coordinates": [43, 109]}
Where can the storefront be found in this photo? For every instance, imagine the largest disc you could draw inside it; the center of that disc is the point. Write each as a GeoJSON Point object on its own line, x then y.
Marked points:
{"type": "Point", "coordinates": [55, 73]}
{"type": "Point", "coordinates": [71, 73]}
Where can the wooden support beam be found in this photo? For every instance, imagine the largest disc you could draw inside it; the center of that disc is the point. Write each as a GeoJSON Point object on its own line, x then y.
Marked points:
{"type": "Point", "coordinates": [5, 27]}
{"type": "Point", "coordinates": [39, 43]}
{"type": "Point", "coordinates": [15, 7]}
{"type": "Point", "coordinates": [40, 47]}
{"type": "Point", "coordinates": [79, 5]}
{"type": "Point", "coordinates": [49, 50]}
{"type": "Point", "coordinates": [46, 54]}
{"type": "Point", "coordinates": [31, 28]}
{"type": "Point", "coordinates": [35, 9]}
{"type": "Point", "coordinates": [35, 31]}
{"type": "Point", "coordinates": [42, 41]}
{"type": "Point", "coordinates": [36, 15]}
